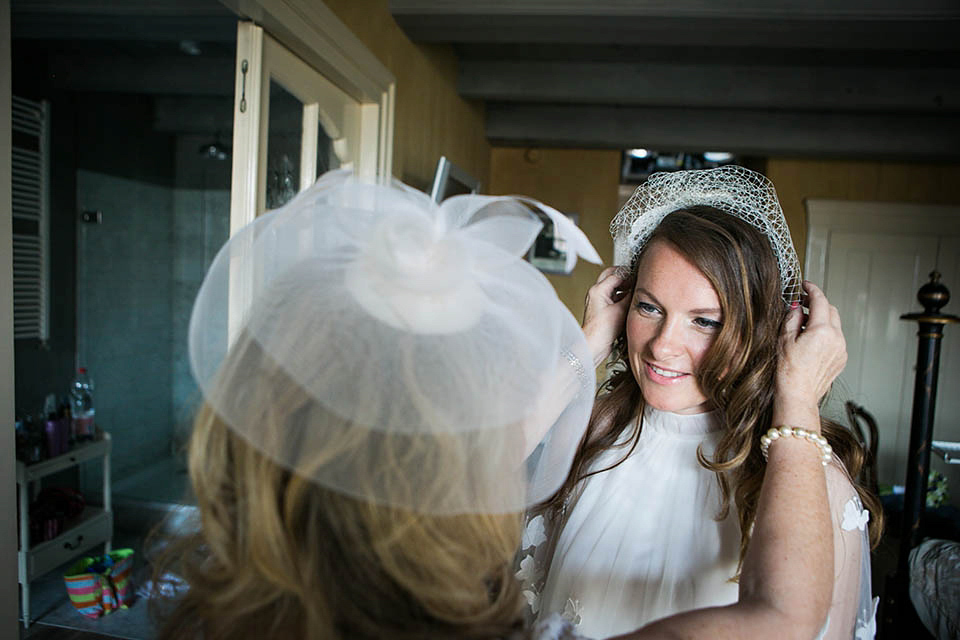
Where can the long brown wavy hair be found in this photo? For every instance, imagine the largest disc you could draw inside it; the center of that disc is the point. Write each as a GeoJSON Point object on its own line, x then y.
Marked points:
{"type": "Point", "coordinates": [736, 374]}
{"type": "Point", "coordinates": [275, 555]}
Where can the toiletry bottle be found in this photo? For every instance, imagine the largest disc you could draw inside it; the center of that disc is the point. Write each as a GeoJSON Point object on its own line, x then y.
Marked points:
{"type": "Point", "coordinates": [82, 411]}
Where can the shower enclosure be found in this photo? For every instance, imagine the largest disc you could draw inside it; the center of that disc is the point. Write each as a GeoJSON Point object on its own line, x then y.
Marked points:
{"type": "Point", "coordinates": [162, 202]}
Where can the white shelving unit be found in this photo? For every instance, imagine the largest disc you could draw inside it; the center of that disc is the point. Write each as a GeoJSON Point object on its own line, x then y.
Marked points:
{"type": "Point", "coordinates": [94, 526]}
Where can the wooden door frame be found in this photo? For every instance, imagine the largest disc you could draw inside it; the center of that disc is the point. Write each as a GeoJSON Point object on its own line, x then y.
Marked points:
{"type": "Point", "coordinates": [314, 33]}
{"type": "Point", "coordinates": [8, 503]}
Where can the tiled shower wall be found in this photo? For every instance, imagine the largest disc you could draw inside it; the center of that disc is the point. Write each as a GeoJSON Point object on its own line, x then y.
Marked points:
{"type": "Point", "coordinates": [124, 302]}
{"type": "Point", "coordinates": [137, 273]}
{"type": "Point", "coordinates": [201, 224]}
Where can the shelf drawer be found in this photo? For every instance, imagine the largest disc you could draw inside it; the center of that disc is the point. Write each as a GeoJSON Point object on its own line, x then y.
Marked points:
{"type": "Point", "coordinates": [94, 527]}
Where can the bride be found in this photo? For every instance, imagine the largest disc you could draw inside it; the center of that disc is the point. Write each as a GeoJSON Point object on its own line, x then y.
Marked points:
{"type": "Point", "coordinates": [657, 512]}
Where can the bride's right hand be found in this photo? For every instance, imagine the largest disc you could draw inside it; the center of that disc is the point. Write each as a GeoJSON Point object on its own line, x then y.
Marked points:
{"type": "Point", "coordinates": [605, 312]}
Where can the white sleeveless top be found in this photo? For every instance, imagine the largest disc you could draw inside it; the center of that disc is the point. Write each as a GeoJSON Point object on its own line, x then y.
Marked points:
{"type": "Point", "coordinates": [642, 541]}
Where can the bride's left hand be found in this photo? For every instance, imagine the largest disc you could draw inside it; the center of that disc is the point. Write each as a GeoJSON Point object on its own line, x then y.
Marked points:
{"type": "Point", "coordinates": [811, 356]}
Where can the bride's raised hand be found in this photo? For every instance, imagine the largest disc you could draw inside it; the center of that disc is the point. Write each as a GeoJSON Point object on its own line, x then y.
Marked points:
{"type": "Point", "coordinates": [605, 311]}
{"type": "Point", "coordinates": [811, 355]}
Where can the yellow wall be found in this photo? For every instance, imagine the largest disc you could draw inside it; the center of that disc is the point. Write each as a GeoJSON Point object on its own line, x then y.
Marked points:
{"type": "Point", "coordinates": [798, 179]}
{"type": "Point", "coordinates": [431, 119]}
{"type": "Point", "coordinates": [580, 181]}
{"type": "Point", "coordinates": [585, 182]}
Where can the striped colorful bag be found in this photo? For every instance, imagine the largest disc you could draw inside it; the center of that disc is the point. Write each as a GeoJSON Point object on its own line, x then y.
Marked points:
{"type": "Point", "coordinates": [98, 585]}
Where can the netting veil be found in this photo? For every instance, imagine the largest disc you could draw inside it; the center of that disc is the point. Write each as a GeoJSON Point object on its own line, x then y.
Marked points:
{"type": "Point", "coordinates": [395, 350]}
{"type": "Point", "coordinates": [740, 192]}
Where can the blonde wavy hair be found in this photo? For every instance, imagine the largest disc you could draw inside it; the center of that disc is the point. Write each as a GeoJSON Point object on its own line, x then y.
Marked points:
{"type": "Point", "coordinates": [736, 374]}
{"type": "Point", "coordinates": [275, 555]}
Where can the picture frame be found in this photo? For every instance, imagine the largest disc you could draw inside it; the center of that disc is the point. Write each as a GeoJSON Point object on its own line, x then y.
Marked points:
{"type": "Point", "coordinates": [548, 253]}
{"type": "Point", "coordinates": [451, 180]}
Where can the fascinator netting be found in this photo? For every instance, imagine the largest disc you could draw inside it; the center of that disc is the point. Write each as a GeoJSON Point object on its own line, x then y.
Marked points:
{"type": "Point", "coordinates": [735, 190]}
{"type": "Point", "coordinates": [396, 350]}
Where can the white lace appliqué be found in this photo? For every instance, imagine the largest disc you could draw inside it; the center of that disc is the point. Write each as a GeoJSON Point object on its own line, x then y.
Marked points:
{"type": "Point", "coordinates": [535, 534]}
{"type": "Point", "coordinates": [854, 516]}
{"type": "Point", "coordinates": [533, 600]}
{"type": "Point", "coordinates": [530, 573]}
{"type": "Point", "coordinates": [867, 629]}
{"type": "Point", "coordinates": [552, 627]}
{"type": "Point", "coordinates": [571, 611]}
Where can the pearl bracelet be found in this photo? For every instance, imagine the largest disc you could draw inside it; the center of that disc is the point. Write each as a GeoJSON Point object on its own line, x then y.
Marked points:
{"type": "Point", "coordinates": [826, 451]}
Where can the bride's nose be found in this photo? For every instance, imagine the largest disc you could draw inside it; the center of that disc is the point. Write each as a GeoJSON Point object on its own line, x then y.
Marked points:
{"type": "Point", "coordinates": [667, 342]}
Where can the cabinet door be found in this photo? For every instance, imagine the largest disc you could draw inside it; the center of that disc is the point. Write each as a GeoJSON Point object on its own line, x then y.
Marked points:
{"type": "Point", "coordinates": [290, 124]}
{"type": "Point", "coordinates": [872, 279]}
{"type": "Point", "coordinates": [947, 417]}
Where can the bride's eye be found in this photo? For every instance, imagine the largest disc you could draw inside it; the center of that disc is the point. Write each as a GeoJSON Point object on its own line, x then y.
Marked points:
{"type": "Point", "coordinates": [646, 307]}
{"type": "Point", "coordinates": [707, 323]}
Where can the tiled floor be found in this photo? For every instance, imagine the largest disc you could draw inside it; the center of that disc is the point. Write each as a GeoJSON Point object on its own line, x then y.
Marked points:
{"type": "Point", "coordinates": [140, 501]}
{"type": "Point", "coordinates": [44, 632]}
{"type": "Point", "coordinates": [56, 619]}
{"type": "Point", "coordinates": [54, 616]}
{"type": "Point", "coordinates": [164, 481]}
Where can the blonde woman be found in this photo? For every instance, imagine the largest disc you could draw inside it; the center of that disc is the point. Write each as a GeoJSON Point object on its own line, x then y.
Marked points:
{"type": "Point", "coordinates": [376, 373]}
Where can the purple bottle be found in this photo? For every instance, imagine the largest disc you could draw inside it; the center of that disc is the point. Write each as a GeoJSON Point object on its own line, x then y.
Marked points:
{"type": "Point", "coordinates": [51, 428]}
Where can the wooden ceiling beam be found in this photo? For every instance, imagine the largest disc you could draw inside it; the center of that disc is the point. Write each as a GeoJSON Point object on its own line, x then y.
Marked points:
{"type": "Point", "coordinates": [844, 24]}
{"type": "Point", "coordinates": [818, 10]}
{"type": "Point", "coordinates": [740, 131]}
{"type": "Point", "coordinates": [713, 85]}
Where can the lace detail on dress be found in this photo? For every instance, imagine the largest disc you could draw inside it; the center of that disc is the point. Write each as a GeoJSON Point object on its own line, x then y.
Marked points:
{"type": "Point", "coordinates": [530, 573]}
{"type": "Point", "coordinates": [867, 622]}
{"type": "Point", "coordinates": [854, 515]}
{"type": "Point", "coordinates": [535, 534]}
{"type": "Point", "coordinates": [554, 627]}
{"type": "Point", "coordinates": [853, 611]}
{"type": "Point", "coordinates": [571, 611]}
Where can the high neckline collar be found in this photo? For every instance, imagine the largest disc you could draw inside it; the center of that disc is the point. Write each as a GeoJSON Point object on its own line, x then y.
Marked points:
{"type": "Point", "coordinates": [683, 424]}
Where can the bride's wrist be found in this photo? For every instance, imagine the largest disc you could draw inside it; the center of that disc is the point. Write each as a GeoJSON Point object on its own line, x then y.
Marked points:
{"type": "Point", "coordinates": [600, 349]}
{"type": "Point", "coordinates": [796, 412]}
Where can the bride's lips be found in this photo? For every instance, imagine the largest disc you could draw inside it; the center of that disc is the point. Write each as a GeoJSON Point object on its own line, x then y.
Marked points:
{"type": "Point", "coordinates": [662, 379]}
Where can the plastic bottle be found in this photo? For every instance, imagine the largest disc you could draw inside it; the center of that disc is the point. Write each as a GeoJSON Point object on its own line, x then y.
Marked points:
{"type": "Point", "coordinates": [81, 410]}
{"type": "Point", "coordinates": [51, 427]}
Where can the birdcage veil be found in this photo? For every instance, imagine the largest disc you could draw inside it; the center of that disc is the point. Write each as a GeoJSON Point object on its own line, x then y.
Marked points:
{"type": "Point", "coordinates": [740, 192]}
{"type": "Point", "coordinates": [395, 350]}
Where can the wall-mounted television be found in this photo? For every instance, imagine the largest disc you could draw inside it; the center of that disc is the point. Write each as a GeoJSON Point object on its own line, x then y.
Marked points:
{"type": "Point", "coordinates": [451, 180]}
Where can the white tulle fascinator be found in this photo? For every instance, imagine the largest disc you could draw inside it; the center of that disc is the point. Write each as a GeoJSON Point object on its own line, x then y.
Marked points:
{"type": "Point", "coordinates": [395, 350]}
{"type": "Point", "coordinates": [740, 192]}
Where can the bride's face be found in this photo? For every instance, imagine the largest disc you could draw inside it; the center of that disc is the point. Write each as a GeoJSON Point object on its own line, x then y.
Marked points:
{"type": "Point", "coordinates": [674, 317]}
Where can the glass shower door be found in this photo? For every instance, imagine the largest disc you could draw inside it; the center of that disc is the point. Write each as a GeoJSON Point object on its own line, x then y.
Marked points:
{"type": "Point", "coordinates": [291, 124]}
